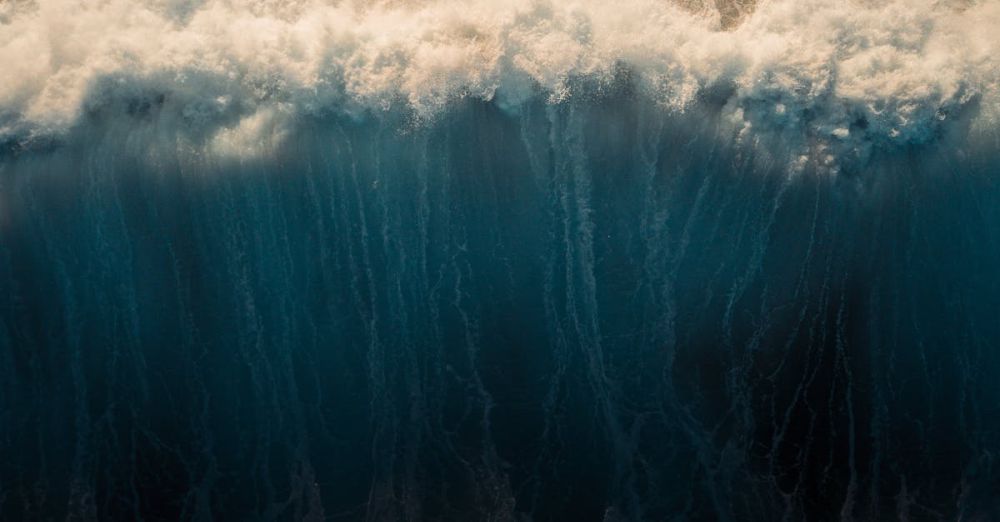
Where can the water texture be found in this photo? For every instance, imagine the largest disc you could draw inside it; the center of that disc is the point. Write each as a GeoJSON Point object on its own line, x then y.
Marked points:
{"type": "Point", "coordinates": [499, 261]}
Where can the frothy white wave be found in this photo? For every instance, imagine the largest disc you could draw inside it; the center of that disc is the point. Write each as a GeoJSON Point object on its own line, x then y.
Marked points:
{"type": "Point", "coordinates": [829, 69]}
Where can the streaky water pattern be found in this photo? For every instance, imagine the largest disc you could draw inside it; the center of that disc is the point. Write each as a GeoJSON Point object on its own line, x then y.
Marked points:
{"type": "Point", "coordinates": [574, 302]}
{"type": "Point", "coordinates": [587, 310]}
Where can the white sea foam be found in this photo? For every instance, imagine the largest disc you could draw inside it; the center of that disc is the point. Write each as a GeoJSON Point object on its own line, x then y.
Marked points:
{"type": "Point", "coordinates": [830, 69]}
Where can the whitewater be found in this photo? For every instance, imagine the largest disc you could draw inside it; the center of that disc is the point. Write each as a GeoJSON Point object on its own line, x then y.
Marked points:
{"type": "Point", "coordinates": [810, 68]}
{"type": "Point", "coordinates": [483, 260]}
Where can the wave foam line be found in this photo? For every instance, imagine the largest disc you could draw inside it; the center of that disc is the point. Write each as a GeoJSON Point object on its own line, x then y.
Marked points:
{"type": "Point", "coordinates": [894, 72]}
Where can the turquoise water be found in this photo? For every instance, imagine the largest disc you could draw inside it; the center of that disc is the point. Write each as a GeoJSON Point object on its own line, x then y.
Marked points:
{"type": "Point", "coordinates": [581, 311]}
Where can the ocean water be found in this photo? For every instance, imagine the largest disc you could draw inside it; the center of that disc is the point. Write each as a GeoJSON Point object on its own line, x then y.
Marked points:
{"type": "Point", "coordinates": [482, 260]}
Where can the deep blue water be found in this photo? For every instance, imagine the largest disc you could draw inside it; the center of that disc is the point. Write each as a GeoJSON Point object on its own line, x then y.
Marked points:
{"type": "Point", "coordinates": [591, 310]}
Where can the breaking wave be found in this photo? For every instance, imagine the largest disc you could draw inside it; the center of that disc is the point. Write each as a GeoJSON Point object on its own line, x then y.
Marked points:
{"type": "Point", "coordinates": [499, 260]}
{"type": "Point", "coordinates": [842, 74]}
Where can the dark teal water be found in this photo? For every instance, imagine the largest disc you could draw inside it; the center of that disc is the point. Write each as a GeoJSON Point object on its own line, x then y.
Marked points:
{"type": "Point", "coordinates": [586, 311]}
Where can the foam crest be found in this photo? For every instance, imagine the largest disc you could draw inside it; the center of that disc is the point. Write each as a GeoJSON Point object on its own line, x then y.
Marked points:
{"type": "Point", "coordinates": [839, 72]}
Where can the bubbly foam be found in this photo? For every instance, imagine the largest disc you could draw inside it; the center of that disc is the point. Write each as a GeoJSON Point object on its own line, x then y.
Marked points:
{"type": "Point", "coordinates": [833, 70]}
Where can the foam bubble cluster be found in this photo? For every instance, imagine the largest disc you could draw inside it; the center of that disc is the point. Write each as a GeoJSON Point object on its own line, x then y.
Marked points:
{"type": "Point", "coordinates": [892, 71]}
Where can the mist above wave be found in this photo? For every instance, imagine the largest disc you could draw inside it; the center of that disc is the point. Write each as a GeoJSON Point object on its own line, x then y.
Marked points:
{"type": "Point", "coordinates": [843, 73]}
